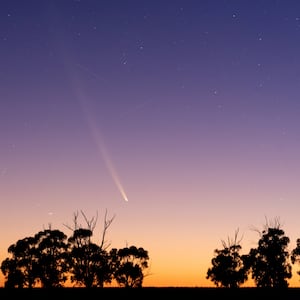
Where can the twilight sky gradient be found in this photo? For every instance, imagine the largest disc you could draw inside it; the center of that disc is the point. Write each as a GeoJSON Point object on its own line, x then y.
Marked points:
{"type": "Point", "coordinates": [188, 108]}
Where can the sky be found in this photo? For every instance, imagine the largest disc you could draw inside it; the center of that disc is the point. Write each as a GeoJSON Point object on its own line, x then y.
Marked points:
{"type": "Point", "coordinates": [180, 119]}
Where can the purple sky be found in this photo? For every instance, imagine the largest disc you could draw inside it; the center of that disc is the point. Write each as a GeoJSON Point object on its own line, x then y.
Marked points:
{"type": "Point", "coordinates": [190, 109]}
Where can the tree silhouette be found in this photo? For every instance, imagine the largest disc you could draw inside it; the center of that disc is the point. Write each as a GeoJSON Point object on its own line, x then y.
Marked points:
{"type": "Point", "coordinates": [269, 261]}
{"type": "Point", "coordinates": [295, 254]}
{"type": "Point", "coordinates": [21, 270]}
{"type": "Point", "coordinates": [130, 265]}
{"type": "Point", "coordinates": [37, 259]}
{"type": "Point", "coordinates": [51, 258]}
{"type": "Point", "coordinates": [228, 266]}
{"type": "Point", "coordinates": [14, 277]}
{"type": "Point", "coordinates": [88, 262]}
{"type": "Point", "coordinates": [106, 264]}
{"type": "Point", "coordinates": [48, 258]}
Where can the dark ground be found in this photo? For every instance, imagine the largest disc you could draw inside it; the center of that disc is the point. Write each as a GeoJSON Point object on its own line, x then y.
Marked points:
{"type": "Point", "coordinates": [148, 292]}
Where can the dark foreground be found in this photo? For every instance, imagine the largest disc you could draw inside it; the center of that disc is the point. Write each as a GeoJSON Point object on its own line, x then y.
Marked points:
{"type": "Point", "coordinates": [150, 293]}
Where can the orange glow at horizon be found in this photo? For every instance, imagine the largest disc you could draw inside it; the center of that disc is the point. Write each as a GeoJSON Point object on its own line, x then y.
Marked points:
{"type": "Point", "coordinates": [149, 111]}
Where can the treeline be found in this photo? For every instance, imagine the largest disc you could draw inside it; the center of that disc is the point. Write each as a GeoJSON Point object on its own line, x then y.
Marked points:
{"type": "Point", "coordinates": [269, 264]}
{"type": "Point", "coordinates": [50, 259]}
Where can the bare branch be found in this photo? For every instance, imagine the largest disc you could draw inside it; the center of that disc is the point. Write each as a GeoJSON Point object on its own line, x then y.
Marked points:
{"type": "Point", "coordinates": [232, 242]}
{"type": "Point", "coordinates": [75, 221]}
{"type": "Point", "coordinates": [91, 224]}
{"type": "Point", "coordinates": [107, 223]}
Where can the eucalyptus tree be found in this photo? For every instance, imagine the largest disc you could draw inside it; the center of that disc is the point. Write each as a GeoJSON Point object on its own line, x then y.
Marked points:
{"type": "Point", "coordinates": [269, 261]}
{"type": "Point", "coordinates": [130, 265]}
{"type": "Point", "coordinates": [89, 262]}
{"type": "Point", "coordinates": [229, 268]}
{"type": "Point", "coordinates": [295, 254]}
{"type": "Point", "coordinates": [37, 261]}
{"type": "Point", "coordinates": [21, 268]}
{"type": "Point", "coordinates": [52, 249]}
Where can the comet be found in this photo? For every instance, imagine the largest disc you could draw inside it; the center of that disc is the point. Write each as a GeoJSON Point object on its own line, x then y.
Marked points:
{"type": "Point", "coordinates": [94, 128]}
{"type": "Point", "coordinates": [108, 162]}
{"type": "Point", "coordinates": [99, 141]}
